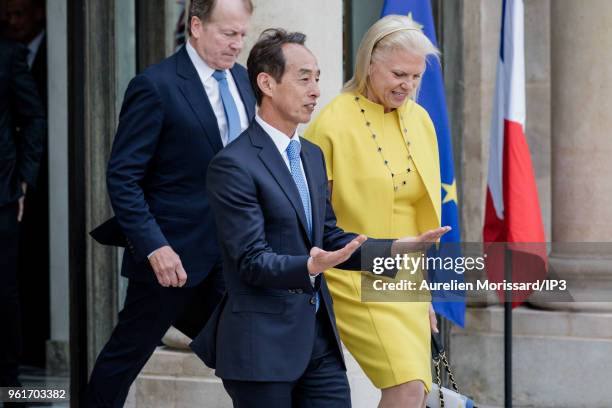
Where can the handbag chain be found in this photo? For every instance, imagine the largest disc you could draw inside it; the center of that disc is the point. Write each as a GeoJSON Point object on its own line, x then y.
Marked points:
{"type": "Point", "coordinates": [442, 358]}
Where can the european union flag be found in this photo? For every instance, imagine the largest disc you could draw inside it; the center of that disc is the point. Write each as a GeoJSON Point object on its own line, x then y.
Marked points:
{"type": "Point", "coordinates": [450, 304]}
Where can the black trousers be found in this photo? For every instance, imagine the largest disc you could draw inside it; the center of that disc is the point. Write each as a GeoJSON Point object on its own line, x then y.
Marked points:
{"type": "Point", "coordinates": [322, 385]}
{"type": "Point", "coordinates": [149, 311]}
{"type": "Point", "coordinates": [10, 310]}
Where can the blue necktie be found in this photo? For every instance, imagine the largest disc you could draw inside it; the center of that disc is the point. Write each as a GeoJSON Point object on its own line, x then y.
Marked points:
{"type": "Point", "coordinates": [293, 152]}
{"type": "Point", "coordinates": [231, 112]}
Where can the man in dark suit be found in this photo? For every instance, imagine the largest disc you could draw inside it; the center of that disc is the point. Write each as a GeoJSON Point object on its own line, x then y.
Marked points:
{"type": "Point", "coordinates": [26, 24]}
{"type": "Point", "coordinates": [176, 115]}
{"type": "Point", "coordinates": [19, 162]}
{"type": "Point", "coordinates": [273, 339]}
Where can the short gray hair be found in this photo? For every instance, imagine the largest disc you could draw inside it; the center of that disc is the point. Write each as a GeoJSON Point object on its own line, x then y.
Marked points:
{"type": "Point", "coordinates": [203, 9]}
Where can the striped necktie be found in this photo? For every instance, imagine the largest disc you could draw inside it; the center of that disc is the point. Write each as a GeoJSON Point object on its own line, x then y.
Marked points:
{"type": "Point", "coordinates": [229, 106]}
{"type": "Point", "coordinates": [293, 152]}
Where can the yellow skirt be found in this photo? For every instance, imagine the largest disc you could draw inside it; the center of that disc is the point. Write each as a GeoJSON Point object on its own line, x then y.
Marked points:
{"type": "Point", "coordinates": [391, 340]}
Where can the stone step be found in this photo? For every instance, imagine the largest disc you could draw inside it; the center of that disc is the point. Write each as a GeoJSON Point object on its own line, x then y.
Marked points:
{"type": "Point", "coordinates": [171, 362]}
{"type": "Point", "coordinates": [177, 392]}
{"type": "Point", "coordinates": [176, 378]}
{"type": "Point", "coordinates": [536, 322]}
{"type": "Point", "coordinates": [560, 359]}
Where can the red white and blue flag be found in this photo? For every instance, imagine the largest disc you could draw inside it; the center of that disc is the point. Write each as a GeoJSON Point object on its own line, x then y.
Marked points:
{"type": "Point", "coordinates": [512, 207]}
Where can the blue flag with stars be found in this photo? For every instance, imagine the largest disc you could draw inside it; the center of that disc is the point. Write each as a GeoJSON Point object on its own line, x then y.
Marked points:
{"type": "Point", "coordinates": [450, 304]}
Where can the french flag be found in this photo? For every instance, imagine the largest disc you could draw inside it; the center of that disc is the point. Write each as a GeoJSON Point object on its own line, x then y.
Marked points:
{"type": "Point", "coordinates": [512, 212]}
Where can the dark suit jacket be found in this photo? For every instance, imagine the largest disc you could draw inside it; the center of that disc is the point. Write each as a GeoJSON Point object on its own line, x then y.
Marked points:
{"type": "Point", "coordinates": [264, 328]}
{"type": "Point", "coordinates": [156, 175]}
{"type": "Point", "coordinates": [19, 153]}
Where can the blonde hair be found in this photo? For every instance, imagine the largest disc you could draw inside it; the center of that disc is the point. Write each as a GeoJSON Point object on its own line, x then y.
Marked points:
{"type": "Point", "coordinates": [391, 32]}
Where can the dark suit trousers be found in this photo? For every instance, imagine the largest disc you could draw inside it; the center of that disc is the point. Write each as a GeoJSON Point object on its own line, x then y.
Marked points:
{"type": "Point", "coordinates": [322, 385]}
{"type": "Point", "coordinates": [149, 311]}
{"type": "Point", "coordinates": [10, 311]}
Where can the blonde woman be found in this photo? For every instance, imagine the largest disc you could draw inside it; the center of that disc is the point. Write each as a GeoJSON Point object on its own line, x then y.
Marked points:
{"type": "Point", "coordinates": [382, 163]}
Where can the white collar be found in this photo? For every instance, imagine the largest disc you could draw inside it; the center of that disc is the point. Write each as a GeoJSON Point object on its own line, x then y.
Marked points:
{"type": "Point", "coordinates": [204, 70]}
{"type": "Point", "coordinates": [35, 43]}
{"type": "Point", "coordinates": [281, 141]}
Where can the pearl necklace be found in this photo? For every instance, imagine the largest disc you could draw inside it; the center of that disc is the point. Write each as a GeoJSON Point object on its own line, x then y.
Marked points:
{"type": "Point", "coordinates": [394, 176]}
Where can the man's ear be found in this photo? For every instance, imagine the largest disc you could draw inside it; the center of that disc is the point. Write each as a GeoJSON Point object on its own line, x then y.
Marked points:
{"type": "Point", "coordinates": [266, 83]}
{"type": "Point", "coordinates": [195, 26]}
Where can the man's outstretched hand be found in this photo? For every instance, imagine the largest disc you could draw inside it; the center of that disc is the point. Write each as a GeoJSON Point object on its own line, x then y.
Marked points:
{"type": "Point", "coordinates": [320, 260]}
{"type": "Point", "coordinates": [420, 243]}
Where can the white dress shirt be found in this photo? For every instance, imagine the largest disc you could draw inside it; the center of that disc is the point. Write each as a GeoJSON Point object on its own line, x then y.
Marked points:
{"type": "Point", "coordinates": [211, 86]}
{"type": "Point", "coordinates": [33, 47]}
{"type": "Point", "coordinates": [281, 141]}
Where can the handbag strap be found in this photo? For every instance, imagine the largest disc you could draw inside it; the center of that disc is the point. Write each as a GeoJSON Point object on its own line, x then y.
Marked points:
{"type": "Point", "coordinates": [436, 346]}
{"type": "Point", "coordinates": [438, 380]}
{"type": "Point", "coordinates": [439, 355]}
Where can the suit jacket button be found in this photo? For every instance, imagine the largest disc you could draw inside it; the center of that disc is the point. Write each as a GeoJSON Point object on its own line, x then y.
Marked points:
{"type": "Point", "coordinates": [312, 301]}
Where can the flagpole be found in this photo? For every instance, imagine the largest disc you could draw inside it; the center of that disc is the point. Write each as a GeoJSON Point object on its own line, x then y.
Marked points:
{"type": "Point", "coordinates": [508, 330]}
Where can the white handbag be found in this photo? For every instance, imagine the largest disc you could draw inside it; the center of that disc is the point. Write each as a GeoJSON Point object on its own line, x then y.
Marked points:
{"type": "Point", "coordinates": [442, 397]}
{"type": "Point", "coordinates": [447, 399]}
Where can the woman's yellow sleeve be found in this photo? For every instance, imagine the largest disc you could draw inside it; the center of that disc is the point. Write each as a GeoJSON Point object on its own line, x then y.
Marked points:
{"type": "Point", "coordinates": [319, 133]}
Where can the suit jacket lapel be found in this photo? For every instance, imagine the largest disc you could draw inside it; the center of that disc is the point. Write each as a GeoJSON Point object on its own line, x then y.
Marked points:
{"type": "Point", "coordinates": [246, 94]}
{"type": "Point", "coordinates": [194, 92]}
{"type": "Point", "coordinates": [273, 161]}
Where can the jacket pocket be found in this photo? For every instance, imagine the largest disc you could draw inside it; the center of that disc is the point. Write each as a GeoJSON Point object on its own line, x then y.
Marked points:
{"type": "Point", "coordinates": [258, 304]}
